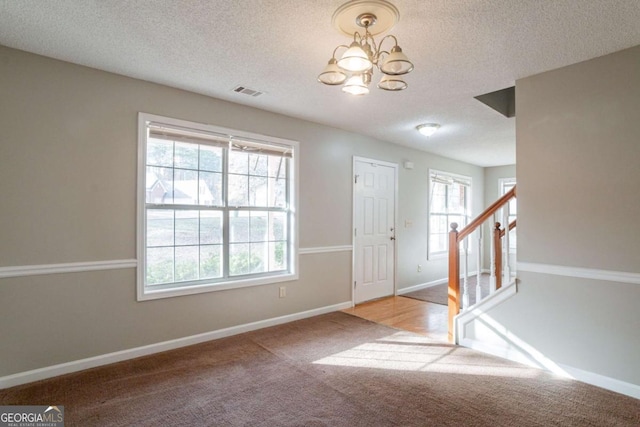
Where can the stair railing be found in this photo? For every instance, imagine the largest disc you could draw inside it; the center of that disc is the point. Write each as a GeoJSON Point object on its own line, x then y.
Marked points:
{"type": "Point", "coordinates": [500, 270]}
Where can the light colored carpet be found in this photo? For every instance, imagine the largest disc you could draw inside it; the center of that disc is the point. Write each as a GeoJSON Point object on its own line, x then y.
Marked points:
{"type": "Point", "coordinates": [330, 370]}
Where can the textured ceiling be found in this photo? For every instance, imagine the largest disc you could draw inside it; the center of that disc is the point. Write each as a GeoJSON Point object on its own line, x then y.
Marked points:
{"type": "Point", "coordinates": [460, 49]}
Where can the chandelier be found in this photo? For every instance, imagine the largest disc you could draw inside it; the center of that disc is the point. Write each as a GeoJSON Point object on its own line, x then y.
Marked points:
{"type": "Point", "coordinates": [355, 67]}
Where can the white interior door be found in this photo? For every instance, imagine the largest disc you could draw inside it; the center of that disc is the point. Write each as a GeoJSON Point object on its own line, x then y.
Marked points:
{"type": "Point", "coordinates": [374, 229]}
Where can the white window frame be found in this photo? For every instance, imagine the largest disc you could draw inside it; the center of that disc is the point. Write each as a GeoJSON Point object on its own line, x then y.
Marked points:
{"type": "Point", "coordinates": [502, 183]}
{"type": "Point", "coordinates": [443, 254]}
{"type": "Point", "coordinates": [147, 293]}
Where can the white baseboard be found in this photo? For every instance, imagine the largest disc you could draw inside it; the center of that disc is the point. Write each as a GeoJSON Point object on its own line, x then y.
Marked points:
{"type": "Point", "coordinates": [118, 356]}
{"type": "Point", "coordinates": [598, 380]}
{"type": "Point", "coordinates": [422, 286]}
{"type": "Point", "coordinates": [428, 284]}
{"type": "Point", "coordinates": [622, 387]}
{"type": "Point", "coordinates": [519, 351]}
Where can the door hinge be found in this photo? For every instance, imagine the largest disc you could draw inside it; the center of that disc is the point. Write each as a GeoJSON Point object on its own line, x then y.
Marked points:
{"type": "Point", "coordinates": [355, 232]}
{"type": "Point", "coordinates": [354, 284]}
{"type": "Point", "coordinates": [356, 179]}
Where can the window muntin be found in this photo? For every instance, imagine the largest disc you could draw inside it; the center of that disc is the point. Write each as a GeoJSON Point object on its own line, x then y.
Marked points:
{"type": "Point", "coordinates": [449, 201]}
{"type": "Point", "coordinates": [506, 184]}
{"type": "Point", "coordinates": [218, 209]}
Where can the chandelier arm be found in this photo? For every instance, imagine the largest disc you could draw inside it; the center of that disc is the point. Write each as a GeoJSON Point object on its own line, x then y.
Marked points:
{"type": "Point", "coordinates": [395, 40]}
{"type": "Point", "coordinates": [338, 47]}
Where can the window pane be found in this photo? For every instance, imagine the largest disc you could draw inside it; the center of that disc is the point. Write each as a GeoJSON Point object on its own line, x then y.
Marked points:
{"type": "Point", "coordinates": [210, 158]}
{"type": "Point", "coordinates": [187, 260]}
{"type": "Point", "coordinates": [438, 224]}
{"type": "Point", "coordinates": [438, 242]}
{"type": "Point", "coordinates": [258, 165]}
{"type": "Point", "coordinates": [257, 191]}
{"type": "Point", "coordinates": [456, 198]}
{"type": "Point", "coordinates": [185, 187]}
{"type": "Point", "coordinates": [210, 227]}
{"type": "Point", "coordinates": [277, 167]}
{"type": "Point", "coordinates": [159, 152]}
{"type": "Point", "coordinates": [160, 227]}
{"type": "Point", "coordinates": [277, 192]}
{"type": "Point", "coordinates": [277, 256]}
{"type": "Point", "coordinates": [238, 226]}
{"type": "Point", "coordinates": [438, 197]}
{"type": "Point", "coordinates": [226, 203]}
{"type": "Point", "coordinates": [238, 190]}
{"type": "Point", "coordinates": [159, 185]}
{"type": "Point", "coordinates": [238, 162]}
{"type": "Point", "coordinates": [277, 226]}
{"type": "Point", "coordinates": [210, 189]}
{"type": "Point", "coordinates": [159, 265]}
{"type": "Point", "coordinates": [238, 259]}
{"type": "Point", "coordinates": [259, 226]}
{"type": "Point", "coordinates": [186, 155]}
{"type": "Point", "coordinates": [187, 227]}
{"type": "Point", "coordinates": [259, 262]}
{"type": "Point", "coordinates": [210, 261]}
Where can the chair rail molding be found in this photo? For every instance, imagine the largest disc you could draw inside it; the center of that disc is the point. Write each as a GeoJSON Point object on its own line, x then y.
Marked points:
{"type": "Point", "coordinates": [583, 273]}
{"type": "Point", "coordinates": [70, 267]}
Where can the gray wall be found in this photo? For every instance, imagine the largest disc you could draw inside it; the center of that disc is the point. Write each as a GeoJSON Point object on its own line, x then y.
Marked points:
{"type": "Point", "coordinates": [68, 183]}
{"type": "Point", "coordinates": [578, 157]}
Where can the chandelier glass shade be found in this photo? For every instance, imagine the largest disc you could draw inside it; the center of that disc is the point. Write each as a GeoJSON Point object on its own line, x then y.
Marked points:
{"type": "Point", "coordinates": [358, 62]}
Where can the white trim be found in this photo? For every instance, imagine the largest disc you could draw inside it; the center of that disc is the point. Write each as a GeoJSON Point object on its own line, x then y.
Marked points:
{"type": "Point", "coordinates": [118, 356]}
{"type": "Point", "coordinates": [396, 190]}
{"type": "Point", "coordinates": [592, 378]}
{"type": "Point", "coordinates": [433, 256]}
{"type": "Point", "coordinates": [521, 352]}
{"type": "Point", "coordinates": [325, 249]}
{"type": "Point", "coordinates": [145, 293]}
{"type": "Point", "coordinates": [430, 284]}
{"type": "Point", "coordinates": [479, 309]}
{"type": "Point", "coordinates": [422, 286]}
{"type": "Point", "coordinates": [70, 267]}
{"type": "Point", "coordinates": [602, 381]}
{"type": "Point", "coordinates": [584, 273]}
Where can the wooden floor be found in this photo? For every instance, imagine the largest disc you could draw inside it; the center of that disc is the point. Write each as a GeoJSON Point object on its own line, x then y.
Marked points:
{"type": "Point", "coordinates": [410, 314]}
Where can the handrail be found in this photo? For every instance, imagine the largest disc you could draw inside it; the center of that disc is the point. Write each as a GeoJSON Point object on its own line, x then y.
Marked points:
{"type": "Point", "coordinates": [455, 237]}
{"type": "Point", "coordinates": [480, 219]}
{"type": "Point", "coordinates": [512, 225]}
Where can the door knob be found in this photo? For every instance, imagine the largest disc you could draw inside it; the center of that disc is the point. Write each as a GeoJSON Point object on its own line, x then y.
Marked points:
{"type": "Point", "coordinates": [392, 238]}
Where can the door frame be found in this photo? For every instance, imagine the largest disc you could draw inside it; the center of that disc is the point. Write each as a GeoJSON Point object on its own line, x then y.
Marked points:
{"type": "Point", "coordinates": [353, 222]}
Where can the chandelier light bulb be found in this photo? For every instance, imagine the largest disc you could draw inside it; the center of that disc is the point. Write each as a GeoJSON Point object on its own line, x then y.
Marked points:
{"type": "Point", "coordinates": [355, 59]}
{"type": "Point", "coordinates": [332, 74]}
{"type": "Point", "coordinates": [355, 85]}
{"type": "Point", "coordinates": [392, 83]}
{"type": "Point", "coordinates": [396, 63]}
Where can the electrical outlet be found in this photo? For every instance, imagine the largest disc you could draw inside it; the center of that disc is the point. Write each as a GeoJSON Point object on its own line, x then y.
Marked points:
{"type": "Point", "coordinates": [419, 268]}
{"type": "Point", "coordinates": [283, 291]}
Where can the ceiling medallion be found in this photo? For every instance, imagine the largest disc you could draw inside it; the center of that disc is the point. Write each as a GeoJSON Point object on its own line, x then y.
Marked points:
{"type": "Point", "coordinates": [355, 67]}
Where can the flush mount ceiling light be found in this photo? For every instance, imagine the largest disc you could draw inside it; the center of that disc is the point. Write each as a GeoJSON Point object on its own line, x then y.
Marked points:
{"type": "Point", "coordinates": [356, 65]}
{"type": "Point", "coordinates": [428, 129]}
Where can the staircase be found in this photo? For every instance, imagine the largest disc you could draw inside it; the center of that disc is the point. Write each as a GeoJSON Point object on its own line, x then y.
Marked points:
{"type": "Point", "coordinates": [500, 268]}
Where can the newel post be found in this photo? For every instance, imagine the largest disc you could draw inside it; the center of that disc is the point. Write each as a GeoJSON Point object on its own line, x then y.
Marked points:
{"type": "Point", "coordinates": [454, 278]}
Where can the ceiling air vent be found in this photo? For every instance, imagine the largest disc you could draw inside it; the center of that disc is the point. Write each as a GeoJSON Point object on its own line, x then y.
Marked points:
{"type": "Point", "coordinates": [247, 91]}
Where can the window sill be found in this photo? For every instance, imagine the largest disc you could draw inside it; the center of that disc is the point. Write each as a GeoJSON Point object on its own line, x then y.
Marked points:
{"type": "Point", "coordinates": [145, 294]}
